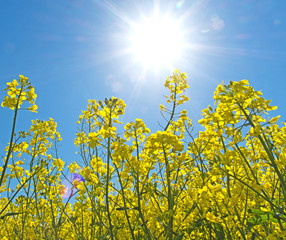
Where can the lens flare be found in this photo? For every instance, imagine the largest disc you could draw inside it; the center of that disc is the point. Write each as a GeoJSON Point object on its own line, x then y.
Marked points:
{"type": "Point", "coordinates": [77, 178]}
{"type": "Point", "coordinates": [64, 191]}
{"type": "Point", "coordinates": [68, 186]}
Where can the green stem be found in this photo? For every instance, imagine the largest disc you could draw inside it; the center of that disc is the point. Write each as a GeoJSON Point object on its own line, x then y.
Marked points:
{"type": "Point", "coordinates": [147, 231]}
{"type": "Point", "coordinates": [170, 198]}
{"type": "Point", "coordinates": [269, 153]}
{"type": "Point", "coordinates": [124, 202]}
{"type": "Point", "coordinates": [173, 110]}
{"type": "Point", "coordinates": [107, 180]}
{"type": "Point", "coordinates": [12, 136]}
{"type": "Point", "coordinates": [11, 199]}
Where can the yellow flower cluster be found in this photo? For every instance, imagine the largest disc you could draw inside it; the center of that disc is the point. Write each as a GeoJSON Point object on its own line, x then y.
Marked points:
{"type": "Point", "coordinates": [177, 84]}
{"type": "Point", "coordinates": [18, 95]}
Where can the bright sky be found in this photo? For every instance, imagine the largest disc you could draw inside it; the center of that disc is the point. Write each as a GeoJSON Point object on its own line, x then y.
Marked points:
{"type": "Point", "coordinates": [75, 50]}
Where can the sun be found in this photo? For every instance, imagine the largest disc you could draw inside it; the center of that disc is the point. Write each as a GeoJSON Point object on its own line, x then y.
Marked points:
{"type": "Point", "coordinates": [157, 41]}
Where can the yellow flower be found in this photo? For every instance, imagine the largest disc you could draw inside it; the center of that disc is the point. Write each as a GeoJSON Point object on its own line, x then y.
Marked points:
{"type": "Point", "coordinates": [58, 163]}
{"type": "Point", "coordinates": [212, 218]}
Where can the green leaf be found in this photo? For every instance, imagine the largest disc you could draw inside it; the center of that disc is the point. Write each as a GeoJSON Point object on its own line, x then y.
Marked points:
{"type": "Point", "coordinates": [9, 214]}
{"type": "Point", "coordinates": [180, 237]}
{"type": "Point", "coordinates": [122, 208]}
{"type": "Point", "coordinates": [262, 216]}
{"type": "Point", "coordinates": [73, 219]}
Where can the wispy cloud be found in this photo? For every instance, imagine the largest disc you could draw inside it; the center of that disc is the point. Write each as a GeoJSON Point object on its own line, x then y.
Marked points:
{"type": "Point", "coordinates": [217, 23]}
{"type": "Point", "coordinates": [277, 22]}
{"type": "Point", "coordinates": [115, 85]}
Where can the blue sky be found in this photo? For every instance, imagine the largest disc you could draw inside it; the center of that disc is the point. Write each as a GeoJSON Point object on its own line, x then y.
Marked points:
{"type": "Point", "coordinates": [75, 50]}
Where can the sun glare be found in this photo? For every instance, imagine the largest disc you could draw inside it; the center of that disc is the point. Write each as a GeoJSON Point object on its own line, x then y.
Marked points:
{"type": "Point", "coordinates": [157, 41]}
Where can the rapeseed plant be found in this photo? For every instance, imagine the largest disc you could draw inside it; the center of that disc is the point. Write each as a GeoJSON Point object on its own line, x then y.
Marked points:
{"type": "Point", "coordinates": [226, 182]}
